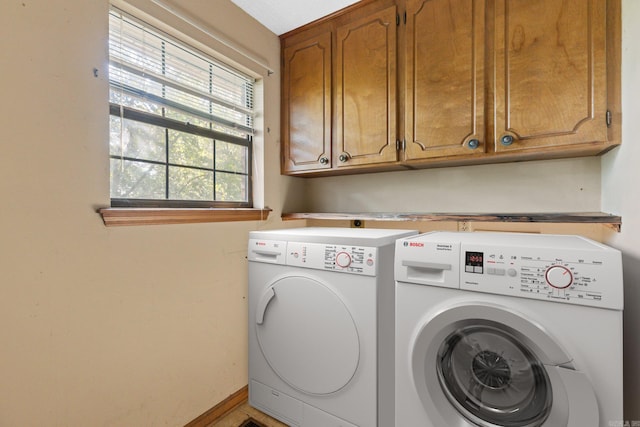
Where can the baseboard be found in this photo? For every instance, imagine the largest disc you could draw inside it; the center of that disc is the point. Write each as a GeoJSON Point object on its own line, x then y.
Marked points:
{"type": "Point", "coordinates": [221, 409]}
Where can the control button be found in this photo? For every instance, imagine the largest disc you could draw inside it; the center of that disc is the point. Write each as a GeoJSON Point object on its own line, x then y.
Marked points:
{"type": "Point", "coordinates": [295, 254]}
{"type": "Point", "coordinates": [369, 262]}
{"type": "Point", "coordinates": [477, 269]}
{"type": "Point", "coordinates": [468, 268]}
{"type": "Point", "coordinates": [491, 270]}
{"type": "Point", "coordinates": [500, 271]}
{"type": "Point", "coordinates": [559, 277]}
{"type": "Point", "coordinates": [343, 259]}
{"type": "Point", "coordinates": [512, 272]}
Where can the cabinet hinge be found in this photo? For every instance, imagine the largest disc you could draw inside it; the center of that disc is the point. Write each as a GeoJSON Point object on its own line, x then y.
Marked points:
{"type": "Point", "coordinates": [609, 119]}
{"type": "Point", "coordinates": [401, 145]}
{"type": "Point", "coordinates": [397, 19]}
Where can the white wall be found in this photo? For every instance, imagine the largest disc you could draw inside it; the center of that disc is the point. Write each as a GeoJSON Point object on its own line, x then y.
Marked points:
{"type": "Point", "coordinates": [544, 186]}
{"type": "Point", "coordinates": [620, 194]}
{"type": "Point", "coordinates": [129, 326]}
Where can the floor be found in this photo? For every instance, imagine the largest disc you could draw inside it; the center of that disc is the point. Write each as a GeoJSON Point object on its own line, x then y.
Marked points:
{"type": "Point", "coordinates": [242, 413]}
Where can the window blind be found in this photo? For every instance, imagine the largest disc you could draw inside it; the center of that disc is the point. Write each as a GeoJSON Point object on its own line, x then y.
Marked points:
{"type": "Point", "coordinates": [148, 71]}
{"type": "Point", "coordinates": [158, 83]}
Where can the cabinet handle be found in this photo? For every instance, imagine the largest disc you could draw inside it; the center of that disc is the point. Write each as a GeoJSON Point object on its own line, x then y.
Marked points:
{"type": "Point", "coordinates": [506, 140]}
{"type": "Point", "coordinates": [343, 157]}
{"type": "Point", "coordinates": [324, 160]}
{"type": "Point", "coordinates": [473, 144]}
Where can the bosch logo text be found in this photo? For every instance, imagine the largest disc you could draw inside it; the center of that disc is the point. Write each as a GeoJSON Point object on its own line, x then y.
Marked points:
{"type": "Point", "coordinates": [414, 244]}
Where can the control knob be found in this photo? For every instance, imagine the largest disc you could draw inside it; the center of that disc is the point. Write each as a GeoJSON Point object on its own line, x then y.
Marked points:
{"type": "Point", "coordinates": [559, 276]}
{"type": "Point", "coordinates": [343, 259]}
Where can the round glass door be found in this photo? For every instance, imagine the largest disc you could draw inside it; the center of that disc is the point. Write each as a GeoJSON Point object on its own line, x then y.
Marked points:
{"type": "Point", "coordinates": [307, 335]}
{"type": "Point", "coordinates": [492, 378]}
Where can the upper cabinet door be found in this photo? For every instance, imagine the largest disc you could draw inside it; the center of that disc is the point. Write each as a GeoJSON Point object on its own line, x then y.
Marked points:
{"type": "Point", "coordinates": [444, 77]}
{"type": "Point", "coordinates": [550, 73]}
{"type": "Point", "coordinates": [306, 109]}
{"type": "Point", "coordinates": [366, 122]}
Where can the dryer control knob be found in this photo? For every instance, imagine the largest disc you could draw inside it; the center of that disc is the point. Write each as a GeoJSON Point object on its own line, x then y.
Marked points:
{"type": "Point", "coordinates": [343, 259]}
{"type": "Point", "coordinates": [559, 277]}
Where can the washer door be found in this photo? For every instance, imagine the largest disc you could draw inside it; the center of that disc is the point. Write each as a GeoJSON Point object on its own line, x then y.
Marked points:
{"type": "Point", "coordinates": [307, 335]}
{"type": "Point", "coordinates": [485, 365]}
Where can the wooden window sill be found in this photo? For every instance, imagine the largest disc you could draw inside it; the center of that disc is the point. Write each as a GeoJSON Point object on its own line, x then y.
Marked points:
{"type": "Point", "coordinates": [156, 216]}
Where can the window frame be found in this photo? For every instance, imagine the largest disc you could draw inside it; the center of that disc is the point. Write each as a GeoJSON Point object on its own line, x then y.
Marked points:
{"type": "Point", "coordinates": [166, 123]}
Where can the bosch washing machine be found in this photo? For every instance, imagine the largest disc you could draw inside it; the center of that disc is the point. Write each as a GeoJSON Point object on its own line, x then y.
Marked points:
{"type": "Point", "coordinates": [321, 304]}
{"type": "Point", "coordinates": [506, 329]}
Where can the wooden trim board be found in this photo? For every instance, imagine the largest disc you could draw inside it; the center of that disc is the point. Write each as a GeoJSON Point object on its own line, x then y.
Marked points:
{"type": "Point", "coordinates": [156, 216]}
{"type": "Point", "coordinates": [221, 409]}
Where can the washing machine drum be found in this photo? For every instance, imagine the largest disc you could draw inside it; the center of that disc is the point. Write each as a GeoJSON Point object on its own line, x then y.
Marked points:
{"type": "Point", "coordinates": [491, 377]}
{"type": "Point", "coordinates": [489, 366]}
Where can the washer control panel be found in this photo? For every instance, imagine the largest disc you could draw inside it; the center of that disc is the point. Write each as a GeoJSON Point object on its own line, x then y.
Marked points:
{"type": "Point", "coordinates": [562, 276]}
{"type": "Point", "coordinates": [341, 258]}
{"type": "Point", "coordinates": [568, 269]}
{"type": "Point", "coordinates": [581, 277]}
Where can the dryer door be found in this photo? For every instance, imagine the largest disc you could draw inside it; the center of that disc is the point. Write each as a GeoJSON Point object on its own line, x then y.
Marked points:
{"type": "Point", "coordinates": [485, 365]}
{"type": "Point", "coordinates": [307, 335]}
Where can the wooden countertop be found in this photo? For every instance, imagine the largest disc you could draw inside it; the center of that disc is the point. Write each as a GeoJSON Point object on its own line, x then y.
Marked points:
{"type": "Point", "coordinates": [613, 221]}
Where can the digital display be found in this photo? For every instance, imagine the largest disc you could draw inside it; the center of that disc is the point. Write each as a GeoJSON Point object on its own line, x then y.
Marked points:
{"type": "Point", "coordinates": [473, 262]}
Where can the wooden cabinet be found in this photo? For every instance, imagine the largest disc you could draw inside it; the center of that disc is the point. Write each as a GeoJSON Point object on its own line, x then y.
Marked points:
{"type": "Point", "coordinates": [366, 120]}
{"type": "Point", "coordinates": [427, 83]}
{"type": "Point", "coordinates": [306, 112]}
{"type": "Point", "coordinates": [339, 89]}
{"type": "Point", "coordinates": [444, 78]}
{"type": "Point", "coordinates": [550, 74]}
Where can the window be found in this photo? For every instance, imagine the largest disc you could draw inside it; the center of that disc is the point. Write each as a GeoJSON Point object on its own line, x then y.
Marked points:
{"type": "Point", "coordinates": [181, 124]}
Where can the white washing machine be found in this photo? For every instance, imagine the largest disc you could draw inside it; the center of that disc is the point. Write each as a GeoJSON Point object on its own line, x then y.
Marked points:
{"type": "Point", "coordinates": [321, 325]}
{"type": "Point", "coordinates": [504, 329]}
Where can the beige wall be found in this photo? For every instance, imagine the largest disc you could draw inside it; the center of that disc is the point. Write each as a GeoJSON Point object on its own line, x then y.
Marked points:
{"type": "Point", "coordinates": [146, 326]}
{"type": "Point", "coordinates": [131, 326]}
